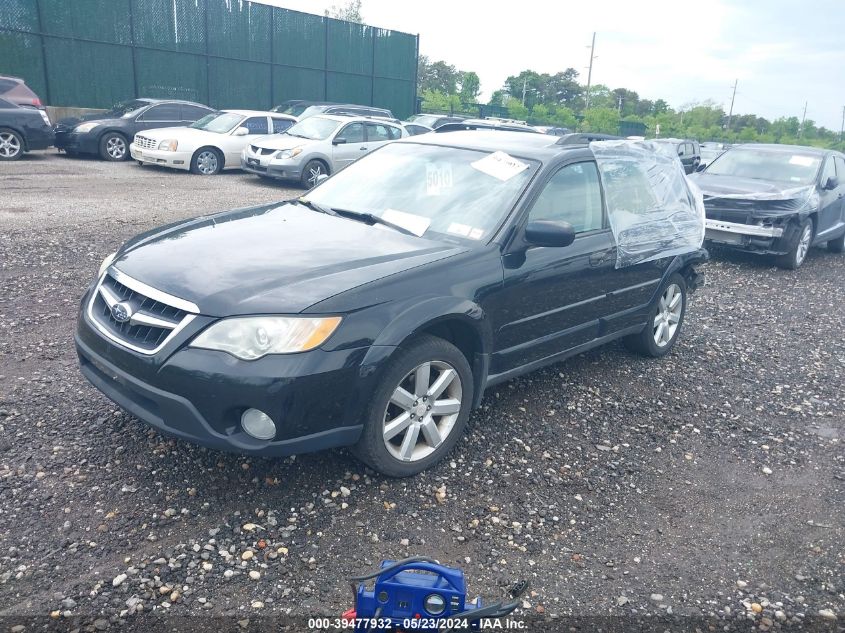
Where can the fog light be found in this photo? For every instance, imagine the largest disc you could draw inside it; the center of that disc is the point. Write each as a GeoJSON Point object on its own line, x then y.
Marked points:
{"type": "Point", "coordinates": [258, 424]}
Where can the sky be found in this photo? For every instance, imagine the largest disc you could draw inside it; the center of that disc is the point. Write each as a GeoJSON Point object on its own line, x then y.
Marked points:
{"type": "Point", "coordinates": [782, 53]}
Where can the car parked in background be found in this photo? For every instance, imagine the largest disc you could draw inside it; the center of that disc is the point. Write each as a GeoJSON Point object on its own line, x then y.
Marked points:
{"type": "Point", "coordinates": [553, 130]}
{"type": "Point", "coordinates": [374, 312]}
{"type": "Point", "coordinates": [434, 121]}
{"type": "Point", "coordinates": [775, 200]}
{"type": "Point", "coordinates": [413, 129]}
{"type": "Point", "coordinates": [350, 109]}
{"type": "Point", "coordinates": [689, 152]}
{"type": "Point", "coordinates": [486, 124]}
{"type": "Point", "coordinates": [108, 134]}
{"type": "Point", "coordinates": [210, 145]}
{"type": "Point", "coordinates": [14, 90]}
{"type": "Point", "coordinates": [22, 129]}
{"type": "Point", "coordinates": [317, 146]}
{"type": "Point", "coordinates": [710, 152]}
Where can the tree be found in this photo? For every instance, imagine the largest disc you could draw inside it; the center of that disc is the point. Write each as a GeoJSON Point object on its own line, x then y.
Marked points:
{"type": "Point", "coordinates": [437, 75]}
{"type": "Point", "coordinates": [469, 86]}
{"type": "Point", "coordinates": [604, 120]}
{"type": "Point", "coordinates": [516, 110]}
{"type": "Point", "coordinates": [351, 12]}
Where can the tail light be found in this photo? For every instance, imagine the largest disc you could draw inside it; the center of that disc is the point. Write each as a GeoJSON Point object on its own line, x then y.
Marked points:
{"type": "Point", "coordinates": [37, 102]}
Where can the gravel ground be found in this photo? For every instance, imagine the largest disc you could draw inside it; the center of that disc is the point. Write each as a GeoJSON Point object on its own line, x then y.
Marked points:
{"type": "Point", "coordinates": [708, 486]}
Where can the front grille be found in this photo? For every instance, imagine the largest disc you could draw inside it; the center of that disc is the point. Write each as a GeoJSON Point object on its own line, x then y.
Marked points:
{"type": "Point", "coordinates": [152, 321]}
{"type": "Point", "coordinates": [145, 143]}
{"type": "Point", "coordinates": [262, 151]}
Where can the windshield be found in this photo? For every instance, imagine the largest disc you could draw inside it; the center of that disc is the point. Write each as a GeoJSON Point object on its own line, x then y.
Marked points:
{"type": "Point", "coordinates": [437, 192]}
{"type": "Point", "coordinates": [778, 166]}
{"type": "Point", "coordinates": [315, 128]}
{"type": "Point", "coordinates": [126, 108]}
{"type": "Point", "coordinates": [219, 122]}
{"type": "Point", "coordinates": [294, 110]}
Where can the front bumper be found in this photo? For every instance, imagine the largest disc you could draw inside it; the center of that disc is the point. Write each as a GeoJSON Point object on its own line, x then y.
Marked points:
{"type": "Point", "coordinates": [276, 168]}
{"type": "Point", "coordinates": [176, 160]}
{"type": "Point", "coordinates": [769, 239]}
{"type": "Point", "coordinates": [317, 399]}
{"type": "Point", "coordinates": [85, 143]}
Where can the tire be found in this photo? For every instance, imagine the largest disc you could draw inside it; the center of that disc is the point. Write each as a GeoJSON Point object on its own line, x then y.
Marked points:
{"type": "Point", "coordinates": [207, 161]}
{"type": "Point", "coordinates": [11, 144]}
{"type": "Point", "coordinates": [837, 245]}
{"type": "Point", "coordinates": [313, 169]}
{"type": "Point", "coordinates": [799, 246]}
{"type": "Point", "coordinates": [114, 147]}
{"type": "Point", "coordinates": [657, 337]}
{"type": "Point", "coordinates": [394, 400]}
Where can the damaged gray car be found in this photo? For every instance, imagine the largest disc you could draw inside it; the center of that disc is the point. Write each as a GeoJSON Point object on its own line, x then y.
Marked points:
{"type": "Point", "coordinates": [777, 200]}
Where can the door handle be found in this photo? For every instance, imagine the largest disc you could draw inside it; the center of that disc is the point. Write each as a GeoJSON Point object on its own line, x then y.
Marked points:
{"type": "Point", "coordinates": [363, 149]}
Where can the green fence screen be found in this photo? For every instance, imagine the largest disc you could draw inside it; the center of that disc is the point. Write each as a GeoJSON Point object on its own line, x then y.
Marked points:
{"type": "Point", "coordinates": [226, 53]}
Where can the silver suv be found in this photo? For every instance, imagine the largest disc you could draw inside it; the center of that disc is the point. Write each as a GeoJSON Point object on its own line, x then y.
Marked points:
{"type": "Point", "coordinates": [316, 146]}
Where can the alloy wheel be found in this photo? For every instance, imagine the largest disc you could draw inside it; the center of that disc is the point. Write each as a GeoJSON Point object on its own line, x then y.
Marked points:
{"type": "Point", "coordinates": [668, 315]}
{"type": "Point", "coordinates": [314, 172]}
{"type": "Point", "coordinates": [207, 162]}
{"type": "Point", "coordinates": [10, 146]}
{"type": "Point", "coordinates": [422, 411]}
{"type": "Point", "coordinates": [116, 147]}
{"type": "Point", "coordinates": [804, 244]}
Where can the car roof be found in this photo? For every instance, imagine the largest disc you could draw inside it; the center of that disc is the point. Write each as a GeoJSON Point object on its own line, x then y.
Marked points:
{"type": "Point", "coordinates": [536, 146]}
{"type": "Point", "coordinates": [275, 115]}
{"type": "Point", "coordinates": [156, 100]}
{"type": "Point", "coordinates": [346, 118]}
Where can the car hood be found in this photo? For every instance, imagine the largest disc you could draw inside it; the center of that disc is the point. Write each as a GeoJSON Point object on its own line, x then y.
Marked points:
{"type": "Point", "coordinates": [281, 141]}
{"type": "Point", "coordinates": [751, 188]}
{"type": "Point", "coordinates": [180, 133]}
{"type": "Point", "coordinates": [760, 198]}
{"type": "Point", "coordinates": [279, 258]}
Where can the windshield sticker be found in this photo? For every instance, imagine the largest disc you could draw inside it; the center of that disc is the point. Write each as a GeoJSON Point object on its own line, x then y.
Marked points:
{"type": "Point", "coordinates": [437, 178]}
{"type": "Point", "coordinates": [500, 165]}
{"type": "Point", "coordinates": [459, 229]}
{"type": "Point", "coordinates": [416, 224]}
{"type": "Point", "coordinates": [476, 234]}
{"type": "Point", "coordinates": [804, 161]}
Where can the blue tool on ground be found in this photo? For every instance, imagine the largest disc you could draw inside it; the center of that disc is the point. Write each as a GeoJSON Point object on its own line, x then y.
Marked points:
{"type": "Point", "coordinates": [419, 589]}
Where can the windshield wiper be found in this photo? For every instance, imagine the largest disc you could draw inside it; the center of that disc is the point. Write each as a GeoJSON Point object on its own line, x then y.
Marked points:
{"type": "Point", "coordinates": [371, 218]}
{"type": "Point", "coordinates": [299, 136]}
{"type": "Point", "coordinates": [316, 207]}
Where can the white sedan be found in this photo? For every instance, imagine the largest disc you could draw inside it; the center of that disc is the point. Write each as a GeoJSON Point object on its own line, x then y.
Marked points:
{"type": "Point", "coordinates": [210, 145]}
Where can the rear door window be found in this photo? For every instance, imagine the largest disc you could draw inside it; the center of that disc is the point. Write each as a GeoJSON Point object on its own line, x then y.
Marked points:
{"type": "Point", "coordinates": [280, 125]}
{"type": "Point", "coordinates": [165, 112]}
{"type": "Point", "coordinates": [379, 133]}
{"type": "Point", "coordinates": [256, 125]}
{"type": "Point", "coordinates": [194, 113]}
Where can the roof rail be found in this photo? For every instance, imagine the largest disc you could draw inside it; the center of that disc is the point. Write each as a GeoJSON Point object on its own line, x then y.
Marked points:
{"type": "Point", "coordinates": [584, 138]}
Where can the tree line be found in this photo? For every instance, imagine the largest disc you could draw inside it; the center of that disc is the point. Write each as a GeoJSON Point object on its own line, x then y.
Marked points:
{"type": "Point", "coordinates": [560, 99]}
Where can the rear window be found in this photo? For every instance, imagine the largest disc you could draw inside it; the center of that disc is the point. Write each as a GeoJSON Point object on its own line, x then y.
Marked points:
{"type": "Point", "coordinates": [6, 85]}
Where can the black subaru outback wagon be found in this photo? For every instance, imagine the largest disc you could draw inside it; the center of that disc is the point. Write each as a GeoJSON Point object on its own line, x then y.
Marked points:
{"type": "Point", "coordinates": [375, 312]}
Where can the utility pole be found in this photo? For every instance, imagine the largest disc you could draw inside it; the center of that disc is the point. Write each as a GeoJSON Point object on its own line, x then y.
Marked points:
{"type": "Point", "coordinates": [590, 72]}
{"type": "Point", "coordinates": [803, 118]}
{"type": "Point", "coordinates": [842, 128]}
{"type": "Point", "coordinates": [731, 112]}
{"type": "Point", "coordinates": [619, 106]}
{"type": "Point", "coordinates": [524, 85]}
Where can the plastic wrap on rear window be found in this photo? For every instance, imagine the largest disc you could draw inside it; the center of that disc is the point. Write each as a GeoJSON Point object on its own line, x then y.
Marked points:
{"type": "Point", "coordinates": [654, 210]}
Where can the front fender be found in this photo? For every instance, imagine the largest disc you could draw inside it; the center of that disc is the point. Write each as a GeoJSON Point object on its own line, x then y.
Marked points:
{"type": "Point", "coordinates": [429, 312]}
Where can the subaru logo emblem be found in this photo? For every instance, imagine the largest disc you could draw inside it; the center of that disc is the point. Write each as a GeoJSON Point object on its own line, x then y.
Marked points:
{"type": "Point", "coordinates": [121, 312]}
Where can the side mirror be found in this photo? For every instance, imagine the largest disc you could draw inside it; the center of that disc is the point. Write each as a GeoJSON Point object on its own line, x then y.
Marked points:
{"type": "Point", "coordinates": [701, 167]}
{"type": "Point", "coordinates": [338, 141]}
{"type": "Point", "coordinates": [832, 183]}
{"type": "Point", "coordinates": [242, 131]}
{"type": "Point", "coordinates": [549, 233]}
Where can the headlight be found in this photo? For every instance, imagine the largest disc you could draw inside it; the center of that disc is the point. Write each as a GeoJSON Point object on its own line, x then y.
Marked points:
{"type": "Point", "coordinates": [169, 145]}
{"type": "Point", "coordinates": [249, 338]}
{"type": "Point", "coordinates": [85, 127]}
{"type": "Point", "coordinates": [106, 263]}
{"type": "Point", "coordinates": [288, 153]}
